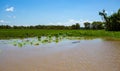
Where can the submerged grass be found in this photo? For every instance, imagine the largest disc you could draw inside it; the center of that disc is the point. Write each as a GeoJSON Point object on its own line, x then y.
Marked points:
{"type": "Point", "coordinates": [24, 33]}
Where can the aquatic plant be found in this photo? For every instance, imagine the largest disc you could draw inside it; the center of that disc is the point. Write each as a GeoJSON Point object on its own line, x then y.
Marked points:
{"type": "Point", "coordinates": [31, 43]}
{"type": "Point", "coordinates": [36, 44]}
{"type": "Point", "coordinates": [20, 44]}
{"type": "Point", "coordinates": [15, 44]}
{"type": "Point", "coordinates": [56, 35]}
{"type": "Point", "coordinates": [39, 38]}
{"type": "Point", "coordinates": [45, 41]}
{"type": "Point", "coordinates": [57, 40]}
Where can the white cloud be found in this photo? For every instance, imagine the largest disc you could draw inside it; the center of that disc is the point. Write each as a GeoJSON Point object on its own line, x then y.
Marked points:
{"type": "Point", "coordinates": [9, 9]}
{"type": "Point", "coordinates": [106, 12]}
{"type": "Point", "coordinates": [71, 22]}
{"type": "Point", "coordinates": [2, 21]}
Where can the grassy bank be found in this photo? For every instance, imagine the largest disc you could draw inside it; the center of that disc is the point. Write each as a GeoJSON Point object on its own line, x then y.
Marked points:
{"type": "Point", "coordinates": [23, 33]}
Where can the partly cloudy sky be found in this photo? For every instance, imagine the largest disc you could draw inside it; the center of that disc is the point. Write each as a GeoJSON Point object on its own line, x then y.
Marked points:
{"type": "Point", "coordinates": [55, 12]}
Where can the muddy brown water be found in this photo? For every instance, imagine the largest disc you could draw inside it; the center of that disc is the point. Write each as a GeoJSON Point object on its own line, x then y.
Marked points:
{"type": "Point", "coordinates": [86, 55]}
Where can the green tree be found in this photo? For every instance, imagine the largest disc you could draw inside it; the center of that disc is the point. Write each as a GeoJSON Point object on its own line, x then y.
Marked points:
{"type": "Point", "coordinates": [73, 26]}
{"type": "Point", "coordinates": [115, 21]}
{"type": "Point", "coordinates": [97, 25]}
{"type": "Point", "coordinates": [106, 19]}
{"type": "Point", "coordinates": [87, 25]}
{"type": "Point", "coordinates": [112, 22]}
{"type": "Point", "coordinates": [77, 26]}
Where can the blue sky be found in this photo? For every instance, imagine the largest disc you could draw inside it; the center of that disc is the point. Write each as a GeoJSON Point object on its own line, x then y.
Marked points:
{"type": "Point", "coordinates": [54, 12]}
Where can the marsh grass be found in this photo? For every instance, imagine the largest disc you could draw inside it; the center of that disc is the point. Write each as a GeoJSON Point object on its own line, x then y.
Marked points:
{"type": "Point", "coordinates": [24, 33]}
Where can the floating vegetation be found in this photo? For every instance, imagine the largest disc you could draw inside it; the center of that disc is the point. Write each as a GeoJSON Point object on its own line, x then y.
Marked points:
{"type": "Point", "coordinates": [36, 41]}
{"type": "Point", "coordinates": [36, 44]}
{"type": "Point", "coordinates": [26, 40]}
{"type": "Point", "coordinates": [45, 41]}
{"type": "Point", "coordinates": [39, 38]}
{"type": "Point", "coordinates": [20, 44]}
{"type": "Point", "coordinates": [56, 40]}
{"type": "Point", "coordinates": [15, 44]}
{"type": "Point", "coordinates": [31, 43]}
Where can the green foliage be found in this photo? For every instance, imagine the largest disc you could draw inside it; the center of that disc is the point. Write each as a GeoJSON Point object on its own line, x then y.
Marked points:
{"type": "Point", "coordinates": [75, 26]}
{"type": "Point", "coordinates": [115, 21]}
{"type": "Point", "coordinates": [87, 25]}
{"type": "Point", "coordinates": [97, 25]}
{"type": "Point", "coordinates": [112, 22]}
{"type": "Point", "coordinates": [21, 33]}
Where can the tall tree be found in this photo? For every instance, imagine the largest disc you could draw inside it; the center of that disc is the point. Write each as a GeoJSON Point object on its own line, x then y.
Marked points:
{"type": "Point", "coordinates": [77, 26]}
{"type": "Point", "coordinates": [115, 21]}
{"type": "Point", "coordinates": [112, 21]}
{"type": "Point", "coordinates": [107, 20]}
{"type": "Point", "coordinates": [87, 25]}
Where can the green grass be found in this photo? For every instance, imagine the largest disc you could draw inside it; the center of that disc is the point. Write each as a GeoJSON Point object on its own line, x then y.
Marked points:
{"type": "Point", "coordinates": [24, 33]}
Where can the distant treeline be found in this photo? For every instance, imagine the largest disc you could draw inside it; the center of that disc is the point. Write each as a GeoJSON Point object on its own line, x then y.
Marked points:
{"type": "Point", "coordinates": [94, 25]}
{"type": "Point", "coordinates": [75, 26]}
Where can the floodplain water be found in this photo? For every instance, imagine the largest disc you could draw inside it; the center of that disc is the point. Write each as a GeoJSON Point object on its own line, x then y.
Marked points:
{"type": "Point", "coordinates": [32, 54]}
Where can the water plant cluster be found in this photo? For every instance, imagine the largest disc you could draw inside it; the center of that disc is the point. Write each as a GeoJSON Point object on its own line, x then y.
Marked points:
{"type": "Point", "coordinates": [38, 40]}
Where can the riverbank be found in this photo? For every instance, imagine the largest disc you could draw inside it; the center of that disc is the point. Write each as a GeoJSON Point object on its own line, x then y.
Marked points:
{"type": "Point", "coordinates": [24, 33]}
